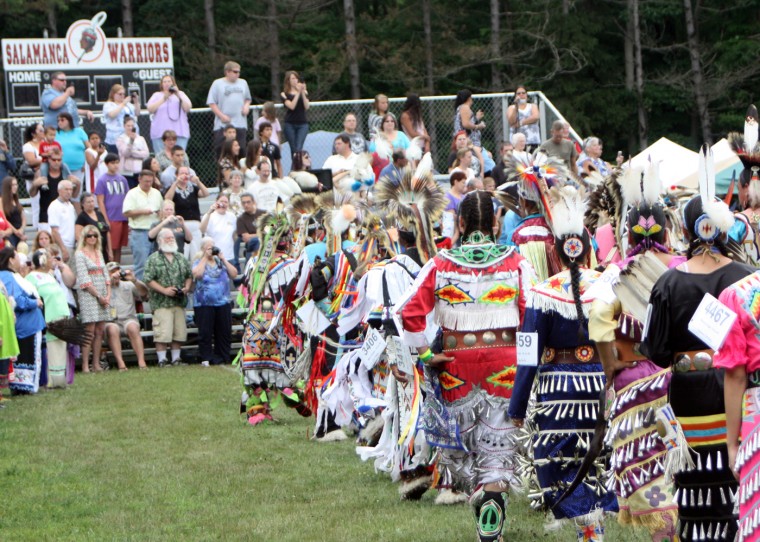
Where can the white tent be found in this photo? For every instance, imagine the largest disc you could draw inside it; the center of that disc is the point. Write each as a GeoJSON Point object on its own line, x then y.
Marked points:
{"type": "Point", "coordinates": [726, 162]}
{"type": "Point", "coordinates": [677, 163]}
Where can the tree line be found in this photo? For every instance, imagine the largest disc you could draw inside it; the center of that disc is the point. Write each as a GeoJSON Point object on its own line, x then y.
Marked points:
{"type": "Point", "coordinates": [628, 71]}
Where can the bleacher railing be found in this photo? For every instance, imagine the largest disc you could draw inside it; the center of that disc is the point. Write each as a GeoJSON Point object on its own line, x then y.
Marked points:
{"type": "Point", "coordinates": [438, 114]}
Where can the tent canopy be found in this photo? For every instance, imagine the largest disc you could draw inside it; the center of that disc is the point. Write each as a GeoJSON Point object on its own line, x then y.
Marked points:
{"type": "Point", "coordinates": [678, 165]}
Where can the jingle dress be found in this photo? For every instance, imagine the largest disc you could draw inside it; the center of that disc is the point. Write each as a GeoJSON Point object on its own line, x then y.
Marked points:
{"type": "Point", "coordinates": [476, 294]}
{"type": "Point", "coordinates": [568, 381]}
{"type": "Point", "coordinates": [645, 495]}
{"type": "Point", "coordinates": [704, 494]}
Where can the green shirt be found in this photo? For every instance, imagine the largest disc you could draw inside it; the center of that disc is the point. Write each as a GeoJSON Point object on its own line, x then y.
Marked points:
{"type": "Point", "coordinates": [167, 274]}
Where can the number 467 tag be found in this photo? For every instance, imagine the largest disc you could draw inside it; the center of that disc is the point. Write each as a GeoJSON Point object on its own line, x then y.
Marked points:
{"type": "Point", "coordinates": [527, 349]}
{"type": "Point", "coordinates": [711, 322]}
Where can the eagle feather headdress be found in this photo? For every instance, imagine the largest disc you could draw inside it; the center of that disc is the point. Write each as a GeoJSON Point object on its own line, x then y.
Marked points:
{"type": "Point", "coordinates": [536, 175]}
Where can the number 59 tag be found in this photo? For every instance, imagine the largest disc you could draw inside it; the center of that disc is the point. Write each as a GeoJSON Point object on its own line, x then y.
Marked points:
{"type": "Point", "coordinates": [527, 349]}
{"type": "Point", "coordinates": [711, 322]}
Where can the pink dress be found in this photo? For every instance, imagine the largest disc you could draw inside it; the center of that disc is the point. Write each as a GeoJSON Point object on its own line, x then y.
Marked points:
{"type": "Point", "coordinates": [742, 348]}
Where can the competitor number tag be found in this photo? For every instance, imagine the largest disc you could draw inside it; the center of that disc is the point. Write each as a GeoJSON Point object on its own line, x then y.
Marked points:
{"type": "Point", "coordinates": [711, 322]}
{"type": "Point", "coordinates": [527, 349]}
{"type": "Point", "coordinates": [372, 349]}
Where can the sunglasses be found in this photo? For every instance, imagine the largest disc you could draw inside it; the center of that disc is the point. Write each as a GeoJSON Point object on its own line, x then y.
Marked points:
{"type": "Point", "coordinates": [235, 71]}
{"type": "Point", "coordinates": [89, 235]}
{"type": "Point", "coordinates": [61, 80]}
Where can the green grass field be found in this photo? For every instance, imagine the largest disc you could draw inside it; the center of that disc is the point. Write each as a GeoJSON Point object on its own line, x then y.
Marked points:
{"type": "Point", "coordinates": [163, 455]}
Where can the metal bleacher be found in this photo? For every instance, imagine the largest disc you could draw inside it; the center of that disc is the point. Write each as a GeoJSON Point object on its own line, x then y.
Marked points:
{"type": "Point", "coordinates": [189, 349]}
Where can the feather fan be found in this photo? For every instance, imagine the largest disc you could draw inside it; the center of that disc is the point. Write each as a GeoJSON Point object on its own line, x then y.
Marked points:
{"type": "Point", "coordinates": [70, 330]}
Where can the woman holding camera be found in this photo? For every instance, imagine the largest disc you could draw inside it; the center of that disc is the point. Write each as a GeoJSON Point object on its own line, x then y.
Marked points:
{"type": "Point", "coordinates": [93, 292]}
{"type": "Point", "coordinates": [115, 109]}
{"type": "Point", "coordinates": [221, 225]}
{"type": "Point", "coordinates": [295, 97]}
{"type": "Point", "coordinates": [213, 310]}
{"type": "Point", "coordinates": [523, 117]}
{"type": "Point", "coordinates": [169, 107]}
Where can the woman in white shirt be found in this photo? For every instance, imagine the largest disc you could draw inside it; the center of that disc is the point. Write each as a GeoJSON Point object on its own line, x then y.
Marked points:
{"type": "Point", "coordinates": [221, 225]}
{"type": "Point", "coordinates": [114, 110]}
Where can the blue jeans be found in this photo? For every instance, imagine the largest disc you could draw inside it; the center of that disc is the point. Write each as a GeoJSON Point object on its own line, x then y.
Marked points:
{"type": "Point", "coordinates": [296, 135]}
{"type": "Point", "coordinates": [140, 246]}
{"type": "Point", "coordinates": [158, 144]}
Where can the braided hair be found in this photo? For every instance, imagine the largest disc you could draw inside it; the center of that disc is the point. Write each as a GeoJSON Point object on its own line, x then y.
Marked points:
{"type": "Point", "coordinates": [476, 209]}
{"type": "Point", "coordinates": [575, 273]}
{"type": "Point", "coordinates": [691, 213]}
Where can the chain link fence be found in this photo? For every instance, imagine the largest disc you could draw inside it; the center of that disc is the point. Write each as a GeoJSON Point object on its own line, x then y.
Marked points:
{"type": "Point", "coordinates": [437, 111]}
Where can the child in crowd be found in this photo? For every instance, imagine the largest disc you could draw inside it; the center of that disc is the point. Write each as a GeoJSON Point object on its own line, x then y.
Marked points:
{"type": "Point", "coordinates": [49, 143]}
{"type": "Point", "coordinates": [270, 149]}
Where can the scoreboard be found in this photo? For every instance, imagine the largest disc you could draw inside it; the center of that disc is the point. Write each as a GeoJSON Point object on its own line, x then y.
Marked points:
{"type": "Point", "coordinates": [91, 62]}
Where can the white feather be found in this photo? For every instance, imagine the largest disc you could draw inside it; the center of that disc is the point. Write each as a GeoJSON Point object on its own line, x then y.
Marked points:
{"type": "Point", "coordinates": [716, 210]}
{"type": "Point", "coordinates": [704, 178]}
{"type": "Point", "coordinates": [568, 210]}
{"type": "Point", "coordinates": [750, 135]}
{"type": "Point", "coordinates": [719, 214]}
{"type": "Point", "coordinates": [339, 222]}
{"type": "Point", "coordinates": [292, 185]}
{"type": "Point", "coordinates": [304, 179]}
{"type": "Point", "coordinates": [414, 151]}
{"type": "Point", "coordinates": [630, 183]}
{"type": "Point", "coordinates": [383, 148]}
{"type": "Point", "coordinates": [651, 184]}
{"type": "Point", "coordinates": [424, 167]}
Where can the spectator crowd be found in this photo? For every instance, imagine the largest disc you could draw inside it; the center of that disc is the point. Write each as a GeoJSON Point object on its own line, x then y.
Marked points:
{"type": "Point", "coordinates": [95, 197]}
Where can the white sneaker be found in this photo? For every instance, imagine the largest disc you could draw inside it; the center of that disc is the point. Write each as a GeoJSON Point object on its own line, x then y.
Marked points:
{"type": "Point", "coordinates": [333, 436]}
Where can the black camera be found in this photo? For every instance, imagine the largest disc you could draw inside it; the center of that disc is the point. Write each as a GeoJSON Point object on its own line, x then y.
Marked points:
{"type": "Point", "coordinates": [172, 89]}
{"type": "Point", "coordinates": [215, 251]}
{"type": "Point", "coordinates": [123, 275]}
{"type": "Point", "coordinates": [178, 292]}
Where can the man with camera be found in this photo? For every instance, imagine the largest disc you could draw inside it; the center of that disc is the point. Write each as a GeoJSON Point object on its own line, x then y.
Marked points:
{"type": "Point", "coordinates": [167, 274]}
{"type": "Point", "coordinates": [59, 98]}
{"type": "Point", "coordinates": [125, 290]}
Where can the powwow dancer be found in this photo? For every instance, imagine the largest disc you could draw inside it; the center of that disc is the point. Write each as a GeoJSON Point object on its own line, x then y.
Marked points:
{"type": "Point", "coordinates": [740, 357]}
{"type": "Point", "coordinates": [746, 230]}
{"type": "Point", "coordinates": [638, 386]}
{"type": "Point", "coordinates": [705, 489]}
{"type": "Point", "coordinates": [476, 295]}
{"type": "Point", "coordinates": [264, 344]}
{"type": "Point", "coordinates": [533, 235]}
{"type": "Point", "coordinates": [415, 203]}
{"type": "Point", "coordinates": [568, 380]}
